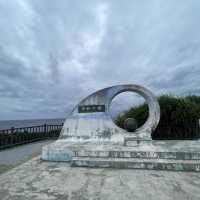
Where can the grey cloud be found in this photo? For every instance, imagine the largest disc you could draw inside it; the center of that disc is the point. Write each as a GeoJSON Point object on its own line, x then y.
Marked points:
{"type": "Point", "coordinates": [10, 66]}
{"type": "Point", "coordinates": [53, 53]}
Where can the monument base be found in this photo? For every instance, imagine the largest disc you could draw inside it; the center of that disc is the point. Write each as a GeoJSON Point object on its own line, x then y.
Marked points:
{"type": "Point", "coordinates": [134, 141]}
{"type": "Point", "coordinates": [155, 155]}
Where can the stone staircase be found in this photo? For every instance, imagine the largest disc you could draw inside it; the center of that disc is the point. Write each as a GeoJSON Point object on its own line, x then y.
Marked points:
{"type": "Point", "coordinates": [173, 161]}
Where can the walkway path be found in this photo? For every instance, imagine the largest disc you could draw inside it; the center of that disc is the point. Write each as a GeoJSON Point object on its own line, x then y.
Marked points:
{"type": "Point", "coordinates": [19, 154]}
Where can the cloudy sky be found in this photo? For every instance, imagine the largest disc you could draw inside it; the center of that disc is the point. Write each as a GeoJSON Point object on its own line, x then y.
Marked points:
{"type": "Point", "coordinates": [54, 53]}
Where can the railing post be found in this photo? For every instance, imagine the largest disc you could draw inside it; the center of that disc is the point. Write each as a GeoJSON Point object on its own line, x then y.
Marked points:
{"type": "Point", "coordinates": [12, 129]}
{"type": "Point", "coordinates": [45, 128]}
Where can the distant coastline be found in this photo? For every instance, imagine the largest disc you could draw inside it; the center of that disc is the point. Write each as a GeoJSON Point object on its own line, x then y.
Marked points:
{"type": "Point", "coordinates": [7, 124]}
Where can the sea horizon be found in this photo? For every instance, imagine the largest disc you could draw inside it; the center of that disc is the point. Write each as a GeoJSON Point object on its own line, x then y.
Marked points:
{"type": "Point", "coordinates": [18, 123]}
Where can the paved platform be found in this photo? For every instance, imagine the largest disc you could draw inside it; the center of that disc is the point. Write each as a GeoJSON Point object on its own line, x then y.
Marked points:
{"type": "Point", "coordinates": [42, 180]}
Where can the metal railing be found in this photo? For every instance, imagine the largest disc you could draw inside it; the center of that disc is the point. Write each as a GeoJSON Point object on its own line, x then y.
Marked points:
{"type": "Point", "coordinates": [16, 136]}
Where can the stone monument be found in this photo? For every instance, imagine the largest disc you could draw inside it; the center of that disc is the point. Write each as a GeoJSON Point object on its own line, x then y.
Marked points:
{"type": "Point", "coordinates": [90, 138]}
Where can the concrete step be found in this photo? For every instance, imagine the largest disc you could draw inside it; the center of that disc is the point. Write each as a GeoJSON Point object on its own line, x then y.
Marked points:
{"type": "Point", "coordinates": [137, 163]}
{"type": "Point", "coordinates": [139, 154]}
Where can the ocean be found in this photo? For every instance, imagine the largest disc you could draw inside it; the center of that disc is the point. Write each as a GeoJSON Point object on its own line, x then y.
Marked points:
{"type": "Point", "coordinates": [7, 124]}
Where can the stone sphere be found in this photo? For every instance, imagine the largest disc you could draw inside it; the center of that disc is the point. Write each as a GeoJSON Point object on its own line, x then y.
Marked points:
{"type": "Point", "coordinates": [130, 124]}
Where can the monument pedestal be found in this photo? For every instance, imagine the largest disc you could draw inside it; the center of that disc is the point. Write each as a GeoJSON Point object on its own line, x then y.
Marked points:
{"type": "Point", "coordinates": [155, 155]}
{"type": "Point", "coordinates": [135, 141]}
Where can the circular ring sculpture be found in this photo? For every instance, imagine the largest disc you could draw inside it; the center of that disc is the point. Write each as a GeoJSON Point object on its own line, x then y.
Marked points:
{"type": "Point", "coordinates": [91, 117]}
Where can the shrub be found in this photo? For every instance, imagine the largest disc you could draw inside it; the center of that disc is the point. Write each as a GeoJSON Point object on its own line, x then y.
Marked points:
{"type": "Point", "coordinates": [179, 117]}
